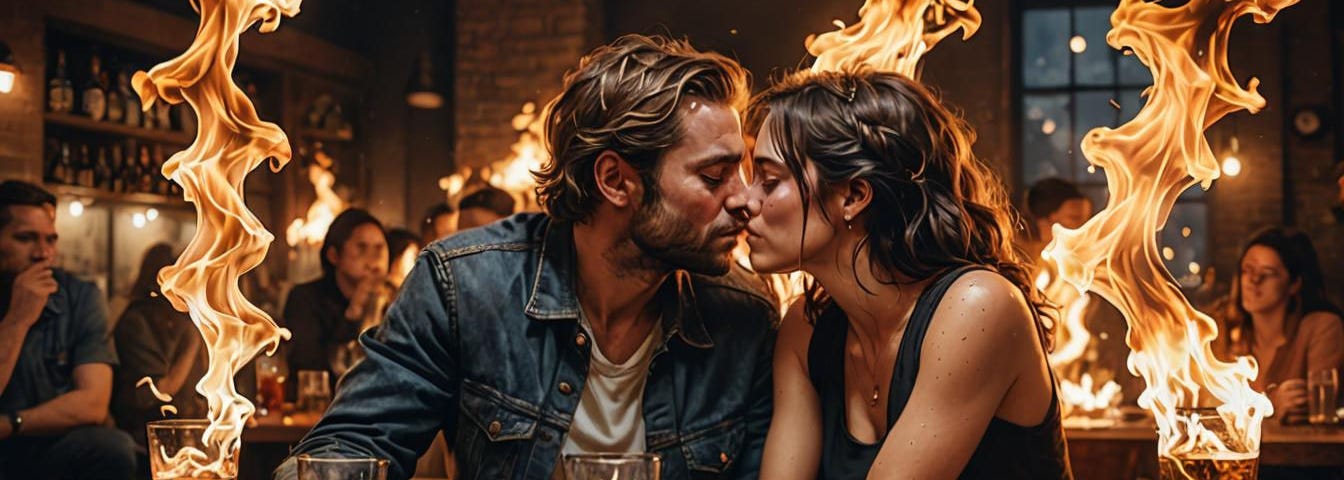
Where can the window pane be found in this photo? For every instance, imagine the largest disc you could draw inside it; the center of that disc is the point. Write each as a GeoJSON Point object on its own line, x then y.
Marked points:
{"type": "Point", "coordinates": [1045, 48]}
{"type": "Point", "coordinates": [1045, 137]}
{"type": "Point", "coordinates": [1096, 64]}
{"type": "Point", "coordinates": [1133, 73]}
{"type": "Point", "coordinates": [1093, 110]}
{"type": "Point", "coordinates": [1186, 235]}
{"type": "Point", "coordinates": [1130, 103]}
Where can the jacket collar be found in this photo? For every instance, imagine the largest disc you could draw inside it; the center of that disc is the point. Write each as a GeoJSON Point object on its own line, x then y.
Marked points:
{"type": "Point", "coordinates": [553, 294]}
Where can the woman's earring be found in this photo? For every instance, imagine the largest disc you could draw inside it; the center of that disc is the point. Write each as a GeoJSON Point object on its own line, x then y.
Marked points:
{"type": "Point", "coordinates": [847, 225]}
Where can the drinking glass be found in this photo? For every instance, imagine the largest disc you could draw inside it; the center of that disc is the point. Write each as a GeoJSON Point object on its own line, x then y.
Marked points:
{"type": "Point", "coordinates": [608, 466]}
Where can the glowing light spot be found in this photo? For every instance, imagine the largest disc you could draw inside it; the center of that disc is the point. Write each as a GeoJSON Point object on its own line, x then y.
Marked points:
{"type": "Point", "coordinates": [1078, 44]}
{"type": "Point", "coordinates": [76, 208]}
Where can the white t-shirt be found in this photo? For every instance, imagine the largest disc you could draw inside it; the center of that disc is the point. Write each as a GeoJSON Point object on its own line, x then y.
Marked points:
{"type": "Point", "coordinates": [610, 417]}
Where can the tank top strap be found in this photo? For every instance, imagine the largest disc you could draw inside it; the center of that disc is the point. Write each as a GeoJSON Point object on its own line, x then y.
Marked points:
{"type": "Point", "coordinates": [912, 341]}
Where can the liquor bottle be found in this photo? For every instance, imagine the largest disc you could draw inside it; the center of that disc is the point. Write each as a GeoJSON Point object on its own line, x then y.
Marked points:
{"type": "Point", "coordinates": [102, 171]}
{"type": "Point", "coordinates": [52, 159]}
{"type": "Point", "coordinates": [160, 184]}
{"type": "Point", "coordinates": [163, 115]}
{"type": "Point", "coordinates": [118, 180]}
{"type": "Point", "coordinates": [144, 182]}
{"type": "Point", "coordinates": [132, 102]}
{"type": "Point", "coordinates": [116, 100]}
{"type": "Point", "coordinates": [186, 118]}
{"type": "Point", "coordinates": [63, 172]}
{"type": "Point", "coordinates": [60, 92]}
{"type": "Point", "coordinates": [95, 93]}
{"type": "Point", "coordinates": [84, 168]}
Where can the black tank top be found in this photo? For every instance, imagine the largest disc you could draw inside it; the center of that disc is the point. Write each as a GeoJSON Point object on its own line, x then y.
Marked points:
{"type": "Point", "coordinates": [1007, 450]}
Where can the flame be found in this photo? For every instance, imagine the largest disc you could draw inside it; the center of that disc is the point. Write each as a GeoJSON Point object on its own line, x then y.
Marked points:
{"type": "Point", "coordinates": [229, 241]}
{"type": "Point", "coordinates": [514, 173]}
{"type": "Point", "coordinates": [402, 266]}
{"type": "Point", "coordinates": [1148, 163]}
{"type": "Point", "coordinates": [326, 205]}
{"type": "Point", "coordinates": [893, 35]}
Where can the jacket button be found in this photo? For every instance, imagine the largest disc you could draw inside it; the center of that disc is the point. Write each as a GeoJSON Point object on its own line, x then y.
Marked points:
{"type": "Point", "coordinates": [565, 388]}
{"type": "Point", "coordinates": [494, 427]}
{"type": "Point", "coordinates": [723, 457]}
{"type": "Point", "coordinates": [581, 340]}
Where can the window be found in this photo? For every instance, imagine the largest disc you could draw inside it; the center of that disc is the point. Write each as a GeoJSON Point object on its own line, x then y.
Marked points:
{"type": "Point", "coordinates": [1071, 82]}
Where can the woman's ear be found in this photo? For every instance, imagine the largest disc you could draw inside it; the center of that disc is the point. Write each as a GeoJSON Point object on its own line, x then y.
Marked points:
{"type": "Point", "coordinates": [858, 193]}
{"type": "Point", "coordinates": [617, 182]}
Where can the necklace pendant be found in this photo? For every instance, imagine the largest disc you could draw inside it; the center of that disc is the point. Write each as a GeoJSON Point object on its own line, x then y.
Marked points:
{"type": "Point", "coordinates": [872, 402]}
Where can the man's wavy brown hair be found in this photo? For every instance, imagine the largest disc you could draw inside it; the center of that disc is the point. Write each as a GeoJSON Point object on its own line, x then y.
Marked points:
{"type": "Point", "coordinates": [935, 207]}
{"type": "Point", "coordinates": [624, 97]}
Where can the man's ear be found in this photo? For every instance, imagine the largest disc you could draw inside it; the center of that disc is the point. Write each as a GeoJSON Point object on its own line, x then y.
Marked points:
{"type": "Point", "coordinates": [616, 180]}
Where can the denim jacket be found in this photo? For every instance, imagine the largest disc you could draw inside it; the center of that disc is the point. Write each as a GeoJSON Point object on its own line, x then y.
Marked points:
{"type": "Point", "coordinates": [483, 343]}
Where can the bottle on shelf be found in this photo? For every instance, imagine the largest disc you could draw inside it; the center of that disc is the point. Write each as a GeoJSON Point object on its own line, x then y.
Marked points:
{"type": "Point", "coordinates": [160, 184]}
{"type": "Point", "coordinates": [116, 100]}
{"type": "Point", "coordinates": [60, 92]}
{"type": "Point", "coordinates": [64, 172]}
{"type": "Point", "coordinates": [132, 101]}
{"type": "Point", "coordinates": [163, 115]}
{"type": "Point", "coordinates": [51, 159]}
{"type": "Point", "coordinates": [94, 96]}
{"type": "Point", "coordinates": [118, 166]}
{"type": "Point", "coordinates": [84, 168]}
{"type": "Point", "coordinates": [144, 182]}
{"type": "Point", "coordinates": [102, 171]}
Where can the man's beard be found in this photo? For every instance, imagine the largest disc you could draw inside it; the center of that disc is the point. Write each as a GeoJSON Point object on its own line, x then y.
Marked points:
{"type": "Point", "coordinates": [664, 236]}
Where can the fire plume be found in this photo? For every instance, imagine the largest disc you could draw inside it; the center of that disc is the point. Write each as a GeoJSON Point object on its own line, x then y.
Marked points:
{"type": "Point", "coordinates": [1148, 162]}
{"type": "Point", "coordinates": [230, 141]}
{"type": "Point", "coordinates": [893, 35]}
{"type": "Point", "coordinates": [326, 205]}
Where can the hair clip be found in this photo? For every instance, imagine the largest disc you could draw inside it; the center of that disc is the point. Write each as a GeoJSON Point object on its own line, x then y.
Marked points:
{"type": "Point", "coordinates": [851, 93]}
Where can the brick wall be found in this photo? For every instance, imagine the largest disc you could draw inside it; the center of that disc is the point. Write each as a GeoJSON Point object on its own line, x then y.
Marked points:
{"type": "Point", "coordinates": [510, 52]}
{"type": "Point", "coordinates": [21, 109]}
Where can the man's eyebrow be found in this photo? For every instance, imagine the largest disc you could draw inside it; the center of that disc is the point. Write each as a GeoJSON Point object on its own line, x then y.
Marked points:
{"type": "Point", "coordinates": [717, 160]}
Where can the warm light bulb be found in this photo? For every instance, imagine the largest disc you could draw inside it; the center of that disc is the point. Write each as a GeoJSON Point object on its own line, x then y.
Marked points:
{"type": "Point", "coordinates": [1194, 268]}
{"type": "Point", "coordinates": [151, 214]}
{"type": "Point", "coordinates": [1078, 44]}
{"type": "Point", "coordinates": [6, 81]}
{"type": "Point", "coordinates": [76, 208]}
{"type": "Point", "coordinates": [1048, 126]}
{"type": "Point", "coordinates": [1168, 253]}
{"type": "Point", "coordinates": [138, 220]}
{"type": "Point", "coordinates": [1231, 166]}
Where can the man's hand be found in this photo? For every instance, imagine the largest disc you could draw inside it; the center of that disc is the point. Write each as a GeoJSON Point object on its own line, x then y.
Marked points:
{"type": "Point", "coordinates": [32, 287]}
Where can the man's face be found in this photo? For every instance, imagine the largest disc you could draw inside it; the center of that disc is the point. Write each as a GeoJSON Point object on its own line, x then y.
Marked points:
{"type": "Point", "coordinates": [442, 226]}
{"type": "Point", "coordinates": [694, 222]}
{"type": "Point", "coordinates": [363, 255]}
{"type": "Point", "coordinates": [1073, 213]}
{"type": "Point", "coordinates": [29, 238]}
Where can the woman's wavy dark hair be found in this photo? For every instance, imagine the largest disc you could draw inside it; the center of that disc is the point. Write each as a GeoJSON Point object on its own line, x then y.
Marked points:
{"type": "Point", "coordinates": [147, 280]}
{"type": "Point", "coordinates": [935, 206]}
{"type": "Point", "coordinates": [1299, 259]}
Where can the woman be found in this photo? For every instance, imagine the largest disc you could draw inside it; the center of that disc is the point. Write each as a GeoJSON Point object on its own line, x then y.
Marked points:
{"type": "Point", "coordinates": [864, 181]}
{"type": "Point", "coordinates": [1277, 312]}
{"type": "Point", "coordinates": [156, 341]}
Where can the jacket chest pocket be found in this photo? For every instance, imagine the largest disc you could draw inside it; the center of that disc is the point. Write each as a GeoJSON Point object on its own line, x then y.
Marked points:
{"type": "Point", "coordinates": [495, 433]}
{"type": "Point", "coordinates": [713, 451]}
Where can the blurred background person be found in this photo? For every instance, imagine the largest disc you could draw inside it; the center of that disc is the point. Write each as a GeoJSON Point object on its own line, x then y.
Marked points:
{"type": "Point", "coordinates": [1277, 313]}
{"type": "Point", "coordinates": [440, 221]}
{"type": "Point", "coordinates": [327, 315]}
{"type": "Point", "coordinates": [1050, 201]}
{"type": "Point", "coordinates": [483, 207]}
{"type": "Point", "coordinates": [156, 341]}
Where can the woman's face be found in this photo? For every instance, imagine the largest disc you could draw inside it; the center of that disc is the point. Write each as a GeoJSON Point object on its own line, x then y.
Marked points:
{"type": "Point", "coordinates": [775, 232]}
{"type": "Point", "coordinates": [1265, 282]}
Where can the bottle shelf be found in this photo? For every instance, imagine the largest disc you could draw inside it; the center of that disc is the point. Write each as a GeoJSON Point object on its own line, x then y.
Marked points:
{"type": "Point", "coordinates": [79, 122]}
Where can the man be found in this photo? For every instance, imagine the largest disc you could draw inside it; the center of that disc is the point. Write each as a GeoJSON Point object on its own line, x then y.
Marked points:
{"type": "Point", "coordinates": [438, 222]}
{"type": "Point", "coordinates": [326, 315]}
{"type": "Point", "coordinates": [600, 326]}
{"type": "Point", "coordinates": [55, 357]}
{"type": "Point", "coordinates": [483, 206]}
{"type": "Point", "coordinates": [1055, 200]}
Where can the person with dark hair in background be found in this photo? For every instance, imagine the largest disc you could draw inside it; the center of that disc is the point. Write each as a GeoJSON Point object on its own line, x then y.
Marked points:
{"type": "Point", "coordinates": [483, 206]}
{"type": "Point", "coordinates": [922, 315]}
{"type": "Point", "coordinates": [156, 341]}
{"type": "Point", "coordinates": [440, 221]}
{"type": "Point", "coordinates": [1278, 313]}
{"type": "Point", "coordinates": [56, 357]}
{"type": "Point", "coordinates": [326, 315]}
{"type": "Point", "coordinates": [613, 323]}
{"type": "Point", "coordinates": [1050, 201]}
